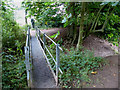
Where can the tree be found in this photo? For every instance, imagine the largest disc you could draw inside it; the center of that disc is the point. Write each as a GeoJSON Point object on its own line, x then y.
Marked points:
{"type": "Point", "coordinates": [81, 26]}
{"type": "Point", "coordinates": [90, 17]}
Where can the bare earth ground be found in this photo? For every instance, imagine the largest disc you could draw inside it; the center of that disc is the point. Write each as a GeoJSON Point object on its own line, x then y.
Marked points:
{"type": "Point", "coordinates": [101, 47]}
{"type": "Point", "coordinates": [108, 76]}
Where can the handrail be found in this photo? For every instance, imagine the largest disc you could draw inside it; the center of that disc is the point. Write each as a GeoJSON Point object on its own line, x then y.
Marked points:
{"type": "Point", "coordinates": [58, 48]}
{"type": "Point", "coordinates": [50, 55]}
{"type": "Point", "coordinates": [50, 39]}
{"type": "Point", "coordinates": [49, 51]}
{"type": "Point", "coordinates": [53, 59]}
{"type": "Point", "coordinates": [27, 56]}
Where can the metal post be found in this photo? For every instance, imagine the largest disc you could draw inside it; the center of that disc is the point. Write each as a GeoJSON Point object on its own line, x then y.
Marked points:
{"type": "Point", "coordinates": [28, 30]}
{"type": "Point", "coordinates": [27, 64]}
{"type": "Point", "coordinates": [57, 62]}
{"type": "Point", "coordinates": [36, 31]}
{"type": "Point", "coordinates": [44, 41]}
{"type": "Point", "coordinates": [39, 33]}
{"type": "Point", "coordinates": [28, 36]}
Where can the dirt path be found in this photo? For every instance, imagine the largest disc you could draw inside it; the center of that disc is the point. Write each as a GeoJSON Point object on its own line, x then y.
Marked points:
{"type": "Point", "coordinates": [41, 74]}
{"type": "Point", "coordinates": [108, 76]}
{"type": "Point", "coordinates": [100, 46]}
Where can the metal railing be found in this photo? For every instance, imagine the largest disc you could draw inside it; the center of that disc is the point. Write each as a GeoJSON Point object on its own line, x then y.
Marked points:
{"type": "Point", "coordinates": [27, 56]}
{"type": "Point", "coordinates": [57, 60]}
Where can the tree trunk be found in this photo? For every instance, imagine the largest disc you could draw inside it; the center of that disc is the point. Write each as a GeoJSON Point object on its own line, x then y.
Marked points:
{"type": "Point", "coordinates": [25, 17]}
{"type": "Point", "coordinates": [107, 18]}
{"type": "Point", "coordinates": [81, 26]}
{"type": "Point", "coordinates": [96, 19]}
{"type": "Point", "coordinates": [74, 26]}
{"type": "Point", "coordinates": [71, 10]}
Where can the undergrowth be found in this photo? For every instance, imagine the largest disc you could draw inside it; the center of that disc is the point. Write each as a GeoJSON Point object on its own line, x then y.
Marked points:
{"type": "Point", "coordinates": [14, 70]}
{"type": "Point", "coordinates": [13, 42]}
{"type": "Point", "coordinates": [76, 66]}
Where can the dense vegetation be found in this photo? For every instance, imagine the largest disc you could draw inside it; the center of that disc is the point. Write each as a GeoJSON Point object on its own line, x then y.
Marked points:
{"type": "Point", "coordinates": [91, 17]}
{"type": "Point", "coordinates": [13, 41]}
{"type": "Point", "coordinates": [82, 19]}
{"type": "Point", "coordinates": [76, 67]}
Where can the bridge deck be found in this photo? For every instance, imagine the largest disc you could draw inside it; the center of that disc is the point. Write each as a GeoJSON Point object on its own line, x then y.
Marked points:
{"type": "Point", "coordinates": [41, 74]}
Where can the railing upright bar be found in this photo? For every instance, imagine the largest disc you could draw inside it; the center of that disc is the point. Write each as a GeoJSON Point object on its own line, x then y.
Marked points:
{"type": "Point", "coordinates": [27, 56]}
{"type": "Point", "coordinates": [29, 37]}
{"type": "Point", "coordinates": [57, 60]}
{"type": "Point", "coordinates": [27, 64]}
{"type": "Point", "coordinates": [44, 40]}
{"type": "Point", "coordinates": [53, 59]}
{"type": "Point", "coordinates": [39, 33]}
{"type": "Point", "coordinates": [36, 28]}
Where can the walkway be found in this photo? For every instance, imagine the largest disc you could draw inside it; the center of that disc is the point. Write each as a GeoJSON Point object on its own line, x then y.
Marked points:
{"type": "Point", "coordinates": [41, 74]}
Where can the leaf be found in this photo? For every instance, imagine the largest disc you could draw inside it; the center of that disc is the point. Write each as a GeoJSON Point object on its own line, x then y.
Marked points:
{"type": "Point", "coordinates": [104, 3]}
{"type": "Point", "coordinates": [114, 4]}
{"type": "Point", "coordinates": [52, 45]}
{"type": "Point", "coordinates": [69, 15]}
{"type": "Point", "coordinates": [64, 20]}
{"type": "Point", "coordinates": [55, 35]}
{"type": "Point", "coordinates": [66, 24]}
{"type": "Point", "coordinates": [94, 72]}
{"type": "Point", "coordinates": [46, 23]}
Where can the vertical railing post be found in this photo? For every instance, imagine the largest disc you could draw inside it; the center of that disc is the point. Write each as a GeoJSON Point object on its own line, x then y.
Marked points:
{"type": "Point", "coordinates": [28, 30]}
{"type": "Point", "coordinates": [29, 36]}
{"type": "Point", "coordinates": [44, 41]}
{"type": "Point", "coordinates": [27, 64]}
{"type": "Point", "coordinates": [39, 33]}
{"type": "Point", "coordinates": [57, 62]}
{"type": "Point", "coordinates": [36, 31]}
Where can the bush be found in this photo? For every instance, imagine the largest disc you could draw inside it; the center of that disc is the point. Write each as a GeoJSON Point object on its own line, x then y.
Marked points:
{"type": "Point", "coordinates": [13, 70]}
{"type": "Point", "coordinates": [13, 41]}
{"type": "Point", "coordinates": [77, 66]}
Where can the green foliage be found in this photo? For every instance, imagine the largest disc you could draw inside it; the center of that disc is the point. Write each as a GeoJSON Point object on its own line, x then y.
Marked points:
{"type": "Point", "coordinates": [113, 29]}
{"type": "Point", "coordinates": [99, 16]}
{"type": "Point", "coordinates": [13, 41]}
{"type": "Point", "coordinates": [11, 32]}
{"type": "Point", "coordinates": [45, 13]}
{"type": "Point", "coordinates": [77, 66]}
{"type": "Point", "coordinates": [13, 69]}
{"type": "Point", "coordinates": [55, 35]}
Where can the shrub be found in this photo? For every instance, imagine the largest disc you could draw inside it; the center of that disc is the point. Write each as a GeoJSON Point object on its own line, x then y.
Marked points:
{"type": "Point", "coordinates": [13, 70]}
{"type": "Point", "coordinates": [77, 66]}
